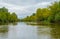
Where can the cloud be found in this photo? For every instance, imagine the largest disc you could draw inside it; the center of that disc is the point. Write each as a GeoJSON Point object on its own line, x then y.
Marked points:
{"type": "Point", "coordinates": [11, 6]}
{"type": "Point", "coordinates": [24, 8]}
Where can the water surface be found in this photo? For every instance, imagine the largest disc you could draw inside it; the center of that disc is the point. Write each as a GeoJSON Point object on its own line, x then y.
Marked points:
{"type": "Point", "coordinates": [23, 31]}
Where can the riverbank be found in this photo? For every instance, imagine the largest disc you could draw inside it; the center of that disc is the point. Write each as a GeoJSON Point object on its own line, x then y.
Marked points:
{"type": "Point", "coordinates": [41, 23]}
{"type": "Point", "coordinates": [7, 23]}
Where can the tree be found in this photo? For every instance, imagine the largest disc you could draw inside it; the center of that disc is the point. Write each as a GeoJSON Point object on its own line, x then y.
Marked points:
{"type": "Point", "coordinates": [55, 10]}
{"type": "Point", "coordinates": [6, 17]}
{"type": "Point", "coordinates": [14, 17]}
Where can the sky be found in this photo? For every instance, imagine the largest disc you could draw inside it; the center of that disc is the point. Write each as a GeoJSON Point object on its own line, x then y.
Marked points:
{"type": "Point", "coordinates": [25, 8]}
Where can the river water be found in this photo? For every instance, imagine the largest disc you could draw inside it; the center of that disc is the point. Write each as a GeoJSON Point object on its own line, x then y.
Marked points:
{"type": "Point", "coordinates": [23, 31]}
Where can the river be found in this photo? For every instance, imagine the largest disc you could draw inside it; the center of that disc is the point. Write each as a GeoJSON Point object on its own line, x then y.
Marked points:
{"type": "Point", "coordinates": [23, 31]}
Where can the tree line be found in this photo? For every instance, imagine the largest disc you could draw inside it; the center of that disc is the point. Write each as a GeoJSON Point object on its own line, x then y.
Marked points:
{"type": "Point", "coordinates": [6, 16]}
{"type": "Point", "coordinates": [51, 14]}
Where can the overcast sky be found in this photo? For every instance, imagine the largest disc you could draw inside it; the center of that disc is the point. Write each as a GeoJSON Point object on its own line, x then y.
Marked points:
{"type": "Point", "coordinates": [24, 7]}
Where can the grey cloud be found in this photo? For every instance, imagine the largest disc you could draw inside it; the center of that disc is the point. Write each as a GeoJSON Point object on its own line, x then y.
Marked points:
{"type": "Point", "coordinates": [26, 2]}
{"type": "Point", "coordinates": [24, 8]}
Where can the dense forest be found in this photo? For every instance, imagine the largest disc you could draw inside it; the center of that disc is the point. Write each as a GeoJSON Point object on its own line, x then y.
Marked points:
{"type": "Point", "coordinates": [51, 14]}
{"type": "Point", "coordinates": [6, 16]}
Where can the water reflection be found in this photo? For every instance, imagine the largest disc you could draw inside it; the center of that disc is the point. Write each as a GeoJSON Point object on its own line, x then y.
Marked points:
{"type": "Point", "coordinates": [23, 31]}
{"type": "Point", "coordinates": [48, 32]}
{"type": "Point", "coordinates": [55, 32]}
{"type": "Point", "coordinates": [15, 23]}
{"type": "Point", "coordinates": [3, 29]}
{"type": "Point", "coordinates": [43, 32]}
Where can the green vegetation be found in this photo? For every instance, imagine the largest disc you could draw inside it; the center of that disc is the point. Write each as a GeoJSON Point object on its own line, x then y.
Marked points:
{"type": "Point", "coordinates": [51, 14]}
{"type": "Point", "coordinates": [7, 17]}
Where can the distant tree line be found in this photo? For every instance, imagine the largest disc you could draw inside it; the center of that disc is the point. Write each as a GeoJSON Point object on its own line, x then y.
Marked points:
{"type": "Point", "coordinates": [6, 17]}
{"type": "Point", "coordinates": [50, 14]}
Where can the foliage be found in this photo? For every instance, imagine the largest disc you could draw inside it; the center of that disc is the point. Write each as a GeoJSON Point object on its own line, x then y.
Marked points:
{"type": "Point", "coordinates": [6, 16]}
{"type": "Point", "coordinates": [50, 14]}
